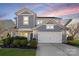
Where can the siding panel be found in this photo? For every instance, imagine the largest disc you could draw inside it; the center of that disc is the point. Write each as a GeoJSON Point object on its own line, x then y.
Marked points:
{"type": "Point", "coordinates": [31, 21]}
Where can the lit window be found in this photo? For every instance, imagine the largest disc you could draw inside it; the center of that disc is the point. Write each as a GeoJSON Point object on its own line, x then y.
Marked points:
{"type": "Point", "coordinates": [39, 22]}
{"type": "Point", "coordinates": [49, 26]}
{"type": "Point", "coordinates": [25, 20]}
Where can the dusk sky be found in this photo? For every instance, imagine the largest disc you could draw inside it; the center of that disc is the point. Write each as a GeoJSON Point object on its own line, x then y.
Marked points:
{"type": "Point", "coordinates": [7, 11]}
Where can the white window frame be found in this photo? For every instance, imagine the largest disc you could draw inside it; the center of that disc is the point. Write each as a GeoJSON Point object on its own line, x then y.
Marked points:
{"type": "Point", "coordinates": [26, 21]}
{"type": "Point", "coordinates": [50, 26]}
{"type": "Point", "coordinates": [39, 22]}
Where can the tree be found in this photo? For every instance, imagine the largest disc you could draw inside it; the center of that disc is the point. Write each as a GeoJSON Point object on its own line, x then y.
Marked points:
{"type": "Point", "coordinates": [73, 29]}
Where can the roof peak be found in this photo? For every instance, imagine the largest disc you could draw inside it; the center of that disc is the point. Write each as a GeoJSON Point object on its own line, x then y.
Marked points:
{"type": "Point", "coordinates": [24, 9]}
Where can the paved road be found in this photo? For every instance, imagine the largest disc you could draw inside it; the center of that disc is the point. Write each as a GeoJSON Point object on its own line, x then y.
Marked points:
{"type": "Point", "coordinates": [57, 50]}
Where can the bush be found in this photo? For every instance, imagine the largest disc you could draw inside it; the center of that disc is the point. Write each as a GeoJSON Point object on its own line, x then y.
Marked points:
{"type": "Point", "coordinates": [16, 43]}
{"type": "Point", "coordinates": [69, 38]}
{"type": "Point", "coordinates": [33, 43]}
{"type": "Point", "coordinates": [7, 41]}
{"type": "Point", "coordinates": [72, 42]}
{"type": "Point", "coordinates": [19, 38]}
{"type": "Point", "coordinates": [8, 35]}
{"type": "Point", "coordinates": [23, 43]}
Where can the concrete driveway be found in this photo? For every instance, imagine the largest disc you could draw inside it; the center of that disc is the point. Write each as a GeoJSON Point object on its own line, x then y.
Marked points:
{"type": "Point", "coordinates": [45, 49]}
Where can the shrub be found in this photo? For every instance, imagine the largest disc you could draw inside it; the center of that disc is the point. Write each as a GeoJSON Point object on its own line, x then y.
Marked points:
{"type": "Point", "coordinates": [69, 38]}
{"type": "Point", "coordinates": [33, 43]}
{"type": "Point", "coordinates": [16, 43]}
{"type": "Point", "coordinates": [19, 37]}
{"type": "Point", "coordinates": [7, 41]}
{"type": "Point", "coordinates": [8, 35]}
{"type": "Point", "coordinates": [23, 43]}
{"type": "Point", "coordinates": [73, 42]}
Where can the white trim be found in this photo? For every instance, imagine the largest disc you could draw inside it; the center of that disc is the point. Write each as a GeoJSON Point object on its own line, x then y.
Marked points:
{"type": "Point", "coordinates": [26, 21]}
{"type": "Point", "coordinates": [23, 29]}
{"type": "Point", "coordinates": [23, 10]}
{"type": "Point", "coordinates": [17, 21]}
{"type": "Point", "coordinates": [27, 14]}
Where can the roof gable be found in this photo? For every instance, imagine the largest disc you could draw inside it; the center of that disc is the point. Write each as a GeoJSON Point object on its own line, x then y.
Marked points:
{"type": "Point", "coordinates": [51, 22]}
{"type": "Point", "coordinates": [24, 11]}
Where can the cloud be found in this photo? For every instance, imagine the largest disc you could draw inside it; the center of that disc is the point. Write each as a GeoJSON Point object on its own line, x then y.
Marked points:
{"type": "Point", "coordinates": [61, 11]}
{"type": "Point", "coordinates": [41, 9]}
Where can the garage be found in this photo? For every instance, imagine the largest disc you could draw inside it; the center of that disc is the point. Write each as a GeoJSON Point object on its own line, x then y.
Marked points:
{"type": "Point", "coordinates": [50, 37]}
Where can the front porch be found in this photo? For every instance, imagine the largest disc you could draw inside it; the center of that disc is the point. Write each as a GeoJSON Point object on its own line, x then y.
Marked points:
{"type": "Point", "coordinates": [27, 34]}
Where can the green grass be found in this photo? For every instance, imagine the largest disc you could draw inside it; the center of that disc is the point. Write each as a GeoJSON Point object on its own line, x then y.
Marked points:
{"type": "Point", "coordinates": [73, 42]}
{"type": "Point", "coordinates": [76, 42]}
{"type": "Point", "coordinates": [1, 42]}
{"type": "Point", "coordinates": [17, 52]}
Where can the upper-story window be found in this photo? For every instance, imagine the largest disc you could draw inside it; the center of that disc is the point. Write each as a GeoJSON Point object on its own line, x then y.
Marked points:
{"type": "Point", "coordinates": [39, 22]}
{"type": "Point", "coordinates": [25, 20]}
{"type": "Point", "coordinates": [49, 26]}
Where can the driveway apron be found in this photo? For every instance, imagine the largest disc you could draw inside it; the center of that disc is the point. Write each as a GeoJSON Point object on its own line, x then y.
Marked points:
{"type": "Point", "coordinates": [55, 49]}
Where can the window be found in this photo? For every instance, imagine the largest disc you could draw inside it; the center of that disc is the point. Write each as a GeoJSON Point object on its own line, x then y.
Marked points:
{"type": "Point", "coordinates": [49, 26]}
{"type": "Point", "coordinates": [25, 20]}
{"type": "Point", "coordinates": [39, 22]}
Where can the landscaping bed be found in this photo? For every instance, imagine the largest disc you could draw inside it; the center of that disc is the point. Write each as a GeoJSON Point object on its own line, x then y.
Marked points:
{"type": "Point", "coordinates": [19, 42]}
{"type": "Point", "coordinates": [18, 46]}
{"type": "Point", "coordinates": [72, 42]}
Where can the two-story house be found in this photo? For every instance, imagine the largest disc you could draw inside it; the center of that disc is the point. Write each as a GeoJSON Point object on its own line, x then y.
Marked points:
{"type": "Point", "coordinates": [45, 29]}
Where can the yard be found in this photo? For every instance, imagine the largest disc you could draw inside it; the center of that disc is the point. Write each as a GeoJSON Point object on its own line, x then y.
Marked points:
{"type": "Point", "coordinates": [17, 46]}
{"type": "Point", "coordinates": [17, 52]}
{"type": "Point", "coordinates": [73, 42]}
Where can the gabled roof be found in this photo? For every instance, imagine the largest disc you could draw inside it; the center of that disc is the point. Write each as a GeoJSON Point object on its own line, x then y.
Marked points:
{"type": "Point", "coordinates": [68, 22]}
{"type": "Point", "coordinates": [46, 22]}
{"type": "Point", "coordinates": [51, 22]}
{"type": "Point", "coordinates": [6, 24]}
{"type": "Point", "coordinates": [24, 11]}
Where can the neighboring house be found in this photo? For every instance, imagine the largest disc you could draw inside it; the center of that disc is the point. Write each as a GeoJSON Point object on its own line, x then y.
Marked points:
{"type": "Point", "coordinates": [6, 26]}
{"type": "Point", "coordinates": [45, 29]}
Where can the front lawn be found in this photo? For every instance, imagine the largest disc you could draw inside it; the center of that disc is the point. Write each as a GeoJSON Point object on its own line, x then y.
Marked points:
{"type": "Point", "coordinates": [17, 52]}
{"type": "Point", "coordinates": [73, 42]}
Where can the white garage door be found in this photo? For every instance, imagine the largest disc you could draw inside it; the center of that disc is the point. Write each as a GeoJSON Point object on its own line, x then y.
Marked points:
{"type": "Point", "coordinates": [50, 37]}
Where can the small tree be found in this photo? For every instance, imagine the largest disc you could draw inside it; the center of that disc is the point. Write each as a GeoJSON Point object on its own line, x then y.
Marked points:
{"type": "Point", "coordinates": [8, 35]}
{"type": "Point", "coordinates": [73, 30]}
{"type": "Point", "coordinates": [7, 41]}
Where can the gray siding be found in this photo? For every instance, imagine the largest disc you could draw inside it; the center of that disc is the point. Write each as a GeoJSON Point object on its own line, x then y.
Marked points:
{"type": "Point", "coordinates": [44, 19]}
{"type": "Point", "coordinates": [56, 28]}
{"type": "Point", "coordinates": [64, 36]}
{"type": "Point", "coordinates": [35, 36]}
{"type": "Point", "coordinates": [31, 21]}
